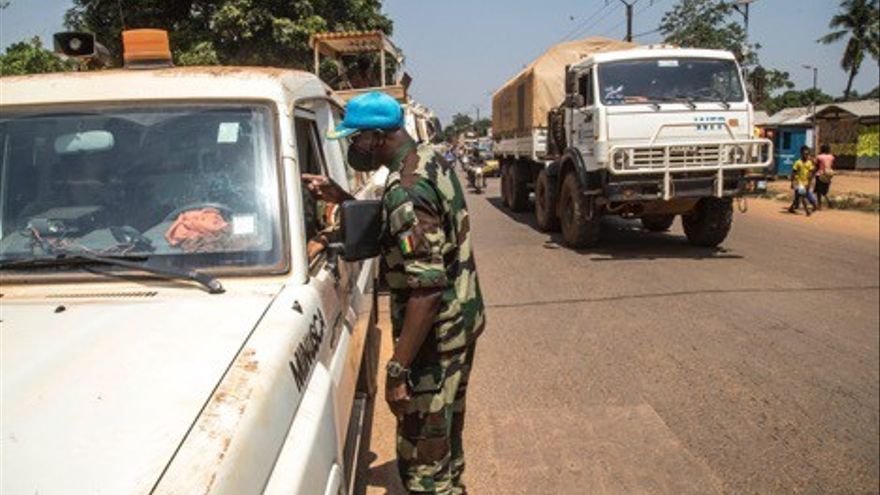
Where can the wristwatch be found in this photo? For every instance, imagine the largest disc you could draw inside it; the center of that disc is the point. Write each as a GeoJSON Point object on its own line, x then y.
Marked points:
{"type": "Point", "coordinates": [396, 370]}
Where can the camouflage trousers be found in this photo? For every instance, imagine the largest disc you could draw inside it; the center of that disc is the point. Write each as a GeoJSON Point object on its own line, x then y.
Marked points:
{"type": "Point", "coordinates": [430, 456]}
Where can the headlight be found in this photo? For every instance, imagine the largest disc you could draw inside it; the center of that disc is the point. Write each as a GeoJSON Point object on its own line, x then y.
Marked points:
{"type": "Point", "coordinates": [620, 158]}
{"type": "Point", "coordinates": [735, 154]}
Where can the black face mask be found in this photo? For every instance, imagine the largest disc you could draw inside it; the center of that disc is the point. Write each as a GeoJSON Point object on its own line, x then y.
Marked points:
{"type": "Point", "coordinates": [360, 160]}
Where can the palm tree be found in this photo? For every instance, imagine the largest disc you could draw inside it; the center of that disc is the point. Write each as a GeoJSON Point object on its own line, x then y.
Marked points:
{"type": "Point", "coordinates": [861, 21]}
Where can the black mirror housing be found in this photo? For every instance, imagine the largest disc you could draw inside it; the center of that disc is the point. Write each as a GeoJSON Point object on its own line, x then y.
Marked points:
{"type": "Point", "coordinates": [361, 222]}
{"type": "Point", "coordinates": [574, 101]}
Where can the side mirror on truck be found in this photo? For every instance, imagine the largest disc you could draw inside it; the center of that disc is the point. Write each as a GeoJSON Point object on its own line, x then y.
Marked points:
{"type": "Point", "coordinates": [574, 101]}
{"type": "Point", "coordinates": [361, 222]}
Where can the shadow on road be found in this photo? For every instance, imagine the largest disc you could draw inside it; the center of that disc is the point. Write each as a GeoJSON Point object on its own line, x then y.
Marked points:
{"type": "Point", "coordinates": [623, 240]}
{"type": "Point", "coordinates": [385, 476]}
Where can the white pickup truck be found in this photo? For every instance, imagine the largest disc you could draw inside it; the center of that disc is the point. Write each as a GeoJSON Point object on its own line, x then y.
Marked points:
{"type": "Point", "coordinates": [164, 329]}
{"type": "Point", "coordinates": [646, 133]}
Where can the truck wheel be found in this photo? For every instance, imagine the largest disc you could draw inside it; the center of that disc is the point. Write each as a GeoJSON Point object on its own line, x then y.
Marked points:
{"type": "Point", "coordinates": [709, 223]}
{"type": "Point", "coordinates": [505, 185]}
{"type": "Point", "coordinates": [579, 218]}
{"type": "Point", "coordinates": [518, 182]}
{"type": "Point", "coordinates": [545, 206]}
{"type": "Point", "coordinates": [657, 223]}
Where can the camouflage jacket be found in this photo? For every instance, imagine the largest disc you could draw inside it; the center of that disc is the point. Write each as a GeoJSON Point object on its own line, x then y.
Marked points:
{"type": "Point", "coordinates": [426, 243]}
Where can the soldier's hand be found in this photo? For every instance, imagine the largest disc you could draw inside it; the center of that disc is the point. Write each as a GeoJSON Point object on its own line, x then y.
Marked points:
{"type": "Point", "coordinates": [397, 395]}
{"type": "Point", "coordinates": [324, 188]}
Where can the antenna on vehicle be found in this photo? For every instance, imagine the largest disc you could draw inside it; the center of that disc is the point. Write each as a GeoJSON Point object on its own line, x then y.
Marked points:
{"type": "Point", "coordinates": [121, 14]}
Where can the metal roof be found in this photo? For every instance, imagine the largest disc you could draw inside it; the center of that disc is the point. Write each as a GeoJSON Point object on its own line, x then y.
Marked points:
{"type": "Point", "coordinates": [761, 117]}
{"type": "Point", "coordinates": [334, 44]}
{"type": "Point", "coordinates": [791, 116]}
{"type": "Point", "coordinates": [861, 109]}
{"type": "Point", "coordinates": [801, 115]}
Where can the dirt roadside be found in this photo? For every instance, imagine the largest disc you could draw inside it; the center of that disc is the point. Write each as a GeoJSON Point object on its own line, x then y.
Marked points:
{"type": "Point", "coordinates": [844, 182]}
{"type": "Point", "coordinates": [837, 222]}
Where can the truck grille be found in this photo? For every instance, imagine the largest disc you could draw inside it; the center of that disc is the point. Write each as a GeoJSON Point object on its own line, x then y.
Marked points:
{"type": "Point", "coordinates": [679, 156]}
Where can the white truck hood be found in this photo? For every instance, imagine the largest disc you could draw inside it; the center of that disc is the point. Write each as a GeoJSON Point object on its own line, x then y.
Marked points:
{"type": "Point", "coordinates": [637, 124]}
{"type": "Point", "coordinates": [104, 391]}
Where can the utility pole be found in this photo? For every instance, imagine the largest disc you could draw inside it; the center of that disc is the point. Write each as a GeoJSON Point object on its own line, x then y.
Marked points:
{"type": "Point", "coordinates": [629, 18]}
{"type": "Point", "coordinates": [742, 6]}
{"type": "Point", "coordinates": [813, 104]}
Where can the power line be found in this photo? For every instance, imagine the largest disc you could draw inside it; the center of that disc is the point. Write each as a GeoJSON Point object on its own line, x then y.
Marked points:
{"type": "Point", "coordinates": [639, 12]}
{"type": "Point", "coordinates": [584, 22]}
{"type": "Point", "coordinates": [596, 22]}
{"type": "Point", "coordinates": [646, 33]}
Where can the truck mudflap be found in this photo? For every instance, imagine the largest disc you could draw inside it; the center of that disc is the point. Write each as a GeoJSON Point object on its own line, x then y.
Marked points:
{"type": "Point", "coordinates": [667, 159]}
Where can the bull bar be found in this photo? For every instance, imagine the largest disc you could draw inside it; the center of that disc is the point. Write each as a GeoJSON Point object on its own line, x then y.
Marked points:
{"type": "Point", "coordinates": [690, 156]}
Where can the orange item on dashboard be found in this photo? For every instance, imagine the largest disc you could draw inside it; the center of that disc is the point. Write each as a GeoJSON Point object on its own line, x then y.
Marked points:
{"type": "Point", "coordinates": [196, 225]}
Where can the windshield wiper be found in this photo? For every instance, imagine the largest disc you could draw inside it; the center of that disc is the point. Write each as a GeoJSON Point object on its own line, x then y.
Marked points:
{"type": "Point", "coordinates": [687, 99]}
{"type": "Point", "coordinates": [69, 258]}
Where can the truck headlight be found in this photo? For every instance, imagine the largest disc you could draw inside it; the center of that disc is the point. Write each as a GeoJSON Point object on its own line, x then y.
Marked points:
{"type": "Point", "coordinates": [620, 158]}
{"type": "Point", "coordinates": [735, 154]}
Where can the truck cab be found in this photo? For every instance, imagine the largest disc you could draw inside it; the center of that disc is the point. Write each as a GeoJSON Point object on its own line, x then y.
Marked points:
{"type": "Point", "coordinates": [165, 326]}
{"type": "Point", "coordinates": [651, 133]}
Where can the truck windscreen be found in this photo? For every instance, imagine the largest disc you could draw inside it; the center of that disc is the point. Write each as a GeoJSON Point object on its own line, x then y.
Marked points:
{"type": "Point", "coordinates": [669, 80]}
{"type": "Point", "coordinates": [185, 185]}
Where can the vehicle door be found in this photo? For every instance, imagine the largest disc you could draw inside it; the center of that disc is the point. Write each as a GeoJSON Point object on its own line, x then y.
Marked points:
{"type": "Point", "coordinates": [583, 121]}
{"type": "Point", "coordinates": [329, 274]}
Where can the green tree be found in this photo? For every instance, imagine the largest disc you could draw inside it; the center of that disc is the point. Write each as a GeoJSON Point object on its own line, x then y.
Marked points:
{"type": "Point", "coordinates": [29, 57]}
{"type": "Point", "coordinates": [481, 127]}
{"type": "Point", "coordinates": [706, 24]}
{"type": "Point", "coordinates": [765, 82]}
{"type": "Point", "coordinates": [462, 121]}
{"type": "Point", "coordinates": [793, 98]}
{"type": "Point", "coordinates": [230, 32]}
{"type": "Point", "coordinates": [860, 19]}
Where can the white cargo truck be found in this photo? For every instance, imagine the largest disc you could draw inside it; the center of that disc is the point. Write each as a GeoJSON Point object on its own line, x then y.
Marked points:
{"type": "Point", "coordinates": [164, 329]}
{"type": "Point", "coordinates": [599, 127]}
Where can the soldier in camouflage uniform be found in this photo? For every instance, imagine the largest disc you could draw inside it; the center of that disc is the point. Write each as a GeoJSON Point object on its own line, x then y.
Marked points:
{"type": "Point", "coordinates": [436, 305]}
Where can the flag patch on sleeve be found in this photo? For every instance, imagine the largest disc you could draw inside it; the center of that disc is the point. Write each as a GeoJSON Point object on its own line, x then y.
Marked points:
{"type": "Point", "coordinates": [407, 242]}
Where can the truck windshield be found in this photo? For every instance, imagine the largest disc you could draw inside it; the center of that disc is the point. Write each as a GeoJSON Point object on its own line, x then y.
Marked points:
{"type": "Point", "coordinates": [192, 186]}
{"type": "Point", "coordinates": [669, 80]}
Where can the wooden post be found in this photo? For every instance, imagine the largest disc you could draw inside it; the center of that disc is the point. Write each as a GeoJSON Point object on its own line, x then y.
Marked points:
{"type": "Point", "coordinates": [317, 61]}
{"type": "Point", "coordinates": [382, 57]}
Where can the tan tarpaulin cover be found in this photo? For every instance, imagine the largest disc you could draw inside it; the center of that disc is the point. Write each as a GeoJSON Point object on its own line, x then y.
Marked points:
{"type": "Point", "coordinates": [523, 102]}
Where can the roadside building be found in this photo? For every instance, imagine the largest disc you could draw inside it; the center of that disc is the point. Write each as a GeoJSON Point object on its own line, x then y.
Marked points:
{"type": "Point", "coordinates": [852, 129]}
{"type": "Point", "coordinates": [789, 129]}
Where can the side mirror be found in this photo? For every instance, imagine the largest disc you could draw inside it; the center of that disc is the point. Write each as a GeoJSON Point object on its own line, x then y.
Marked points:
{"type": "Point", "coordinates": [569, 80]}
{"type": "Point", "coordinates": [574, 101]}
{"type": "Point", "coordinates": [361, 223]}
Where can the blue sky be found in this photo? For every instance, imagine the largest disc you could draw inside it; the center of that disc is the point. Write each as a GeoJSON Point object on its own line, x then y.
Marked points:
{"type": "Point", "coordinates": [459, 51]}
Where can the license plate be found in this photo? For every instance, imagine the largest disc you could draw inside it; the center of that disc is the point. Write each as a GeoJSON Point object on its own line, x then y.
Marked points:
{"type": "Point", "coordinates": [762, 185]}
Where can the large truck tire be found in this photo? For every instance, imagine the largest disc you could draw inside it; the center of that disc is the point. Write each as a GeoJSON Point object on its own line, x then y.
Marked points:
{"type": "Point", "coordinates": [545, 204]}
{"type": "Point", "coordinates": [578, 215]}
{"type": "Point", "coordinates": [657, 223]}
{"type": "Point", "coordinates": [518, 193]}
{"type": "Point", "coordinates": [709, 223]}
{"type": "Point", "coordinates": [505, 184]}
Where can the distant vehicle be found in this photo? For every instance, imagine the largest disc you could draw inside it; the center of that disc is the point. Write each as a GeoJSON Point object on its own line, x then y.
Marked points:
{"type": "Point", "coordinates": [646, 133]}
{"type": "Point", "coordinates": [164, 327]}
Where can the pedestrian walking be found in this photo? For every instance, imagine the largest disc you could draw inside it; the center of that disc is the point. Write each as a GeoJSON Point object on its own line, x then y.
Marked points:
{"type": "Point", "coordinates": [436, 304]}
{"type": "Point", "coordinates": [801, 181]}
{"type": "Point", "coordinates": [824, 175]}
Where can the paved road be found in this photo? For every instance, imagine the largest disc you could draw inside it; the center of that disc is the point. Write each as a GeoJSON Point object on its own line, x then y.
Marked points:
{"type": "Point", "coordinates": [649, 366]}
